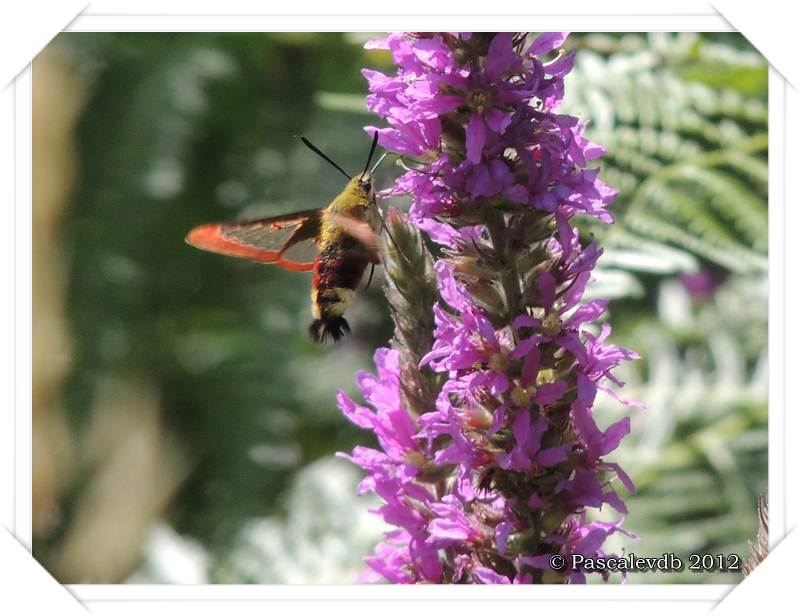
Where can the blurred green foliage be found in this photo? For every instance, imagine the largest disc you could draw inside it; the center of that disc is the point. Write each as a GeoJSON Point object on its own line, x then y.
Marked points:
{"type": "Point", "coordinates": [182, 129]}
{"type": "Point", "coordinates": [684, 120]}
{"type": "Point", "coordinates": [187, 128]}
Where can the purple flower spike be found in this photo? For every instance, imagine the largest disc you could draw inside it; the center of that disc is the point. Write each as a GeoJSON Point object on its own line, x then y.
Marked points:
{"type": "Point", "coordinates": [488, 475]}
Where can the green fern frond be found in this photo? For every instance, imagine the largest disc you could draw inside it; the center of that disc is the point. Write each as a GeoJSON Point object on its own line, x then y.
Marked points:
{"type": "Point", "coordinates": [697, 454]}
{"type": "Point", "coordinates": [688, 154]}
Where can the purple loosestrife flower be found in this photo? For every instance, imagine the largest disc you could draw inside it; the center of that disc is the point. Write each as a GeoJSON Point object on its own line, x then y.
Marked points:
{"type": "Point", "coordinates": [490, 456]}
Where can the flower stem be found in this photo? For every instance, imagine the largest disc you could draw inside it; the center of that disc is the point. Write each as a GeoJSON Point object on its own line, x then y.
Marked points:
{"type": "Point", "coordinates": [507, 273]}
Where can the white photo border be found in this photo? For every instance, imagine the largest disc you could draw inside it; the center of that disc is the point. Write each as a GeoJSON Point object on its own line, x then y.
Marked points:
{"type": "Point", "coordinates": [16, 427]}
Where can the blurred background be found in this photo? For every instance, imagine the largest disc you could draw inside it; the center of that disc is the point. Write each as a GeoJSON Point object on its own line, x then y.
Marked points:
{"type": "Point", "coordinates": [184, 426]}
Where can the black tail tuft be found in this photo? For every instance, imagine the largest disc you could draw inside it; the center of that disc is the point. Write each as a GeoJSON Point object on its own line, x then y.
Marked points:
{"type": "Point", "coordinates": [330, 327]}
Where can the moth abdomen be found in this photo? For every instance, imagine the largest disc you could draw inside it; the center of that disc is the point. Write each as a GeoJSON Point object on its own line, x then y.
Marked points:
{"type": "Point", "coordinates": [333, 327]}
{"type": "Point", "coordinates": [336, 278]}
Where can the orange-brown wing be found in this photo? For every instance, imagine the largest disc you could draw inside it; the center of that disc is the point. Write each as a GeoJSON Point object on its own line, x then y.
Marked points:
{"type": "Point", "coordinates": [288, 241]}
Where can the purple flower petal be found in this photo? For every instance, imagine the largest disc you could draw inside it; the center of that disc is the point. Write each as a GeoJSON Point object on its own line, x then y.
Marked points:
{"type": "Point", "coordinates": [517, 193]}
{"type": "Point", "coordinates": [437, 106]}
{"type": "Point", "coordinates": [525, 320]}
{"type": "Point", "coordinates": [497, 120]}
{"type": "Point", "coordinates": [444, 532]}
{"type": "Point", "coordinates": [355, 413]}
{"type": "Point", "coordinates": [553, 455]}
{"type": "Point", "coordinates": [501, 175]}
{"type": "Point", "coordinates": [547, 290]}
{"type": "Point", "coordinates": [549, 393]}
{"type": "Point", "coordinates": [614, 434]}
{"type": "Point", "coordinates": [547, 42]}
{"type": "Point", "coordinates": [613, 499]}
{"type": "Point", "coordinates": [587, 313]}
{"type": "Point", "coordinates": [587, 390]}
{"type": "Point", "coordinates": [530, 367]}
{"type": "Point", "coordinates": [537, 562]}
{"type": "Point", "coordinates": [488, 148]}
{"type": "Point", "coordinates": [476, 138]}
{"type": "Point", "coordinates": [561, 66]}
{"type": "Point", "coordinates": [501, 534]}
{"type": "Point", "coordinates": [433, 52]}
{"type": "Point", "coordinates": [501, 56]}
{"type": "Point", "coordinates": [439, 232]}
{"type": "Point", "coordinates": [489, 576]}
{"type": "Point", "coordinates": [377, 44]}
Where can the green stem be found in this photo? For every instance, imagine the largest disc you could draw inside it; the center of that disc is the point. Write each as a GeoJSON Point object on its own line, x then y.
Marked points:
{"type": "Point", "coordinates": [509, 279]}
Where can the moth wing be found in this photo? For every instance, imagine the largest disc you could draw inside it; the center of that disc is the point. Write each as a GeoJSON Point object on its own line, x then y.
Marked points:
{"type": "Point", "coordinates": [360, 230]}
{"type": "Point", "coordinates": [288, 241]}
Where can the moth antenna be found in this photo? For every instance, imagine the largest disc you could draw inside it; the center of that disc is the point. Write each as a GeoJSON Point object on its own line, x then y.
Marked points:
{"type": "Point", "coordinates": [371, 152]}
{"type": "Point", "coordinates": [319, 152]}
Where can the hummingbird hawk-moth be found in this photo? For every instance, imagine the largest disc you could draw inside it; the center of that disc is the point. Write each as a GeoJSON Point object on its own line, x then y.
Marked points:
{"type": "Point", "coordinates": [336, 242]}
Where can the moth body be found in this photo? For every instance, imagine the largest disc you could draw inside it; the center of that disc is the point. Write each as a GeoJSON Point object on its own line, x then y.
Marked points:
{"type": "Point", "coordinates": [343, 257]}
{"type": "Point", "coordinates": [336, 243]}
